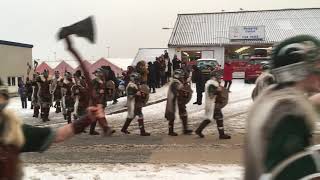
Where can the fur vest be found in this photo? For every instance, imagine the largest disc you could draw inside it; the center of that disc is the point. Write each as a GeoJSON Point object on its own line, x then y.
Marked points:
{"type": "Point", "coordinates": [210, 99]}
{"type": "Point", "coordinates": [11, 141]}
{"type": "Point", "coordinates": [265, 114]}
{"type": "Point", "coordinates": [174, 87]}
{"type": "Point", "coordinates": [131, 90]}
{"type": "Point", "coordinates": [263, 81]}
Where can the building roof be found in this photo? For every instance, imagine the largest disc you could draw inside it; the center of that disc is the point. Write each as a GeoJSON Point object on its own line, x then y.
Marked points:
{"type": "Point", "coordinates": [148, 54]}
{"type": "Point", "coordinates": [210, 29]}
{"type": "Point", "coordinates": [44, 66]}
{"type": "Point", "coordinates": [9, 43]}
{"type": "Point", "coordinates": [72, 65]}
{"type": "Point", "coordinates": [104, 62]}
{"type": "Point", "coordinates": [86, 63]}
{"type": "Point", "coordinates": [63, 67]}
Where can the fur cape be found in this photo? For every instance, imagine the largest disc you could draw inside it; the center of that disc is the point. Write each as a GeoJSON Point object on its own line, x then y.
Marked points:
{"type": "Point", "coordinates": [263, 118]}
{"type": "Point", "coordinates": [263, 81]}
{"type": "Point", "coordinates": [131, 100]}
{"type": "Point", "coordinates": [209, 100]}
{"type": "Point", "coordinates": [172, 99]}
{"type": "Point", "coordinates": [12, 133]}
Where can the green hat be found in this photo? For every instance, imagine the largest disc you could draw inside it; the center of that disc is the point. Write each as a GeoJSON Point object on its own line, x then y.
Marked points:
{"type": "Point", "coordinates": [293, 59]}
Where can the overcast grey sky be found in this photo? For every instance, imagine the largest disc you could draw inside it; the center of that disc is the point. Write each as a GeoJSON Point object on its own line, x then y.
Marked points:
{"type": "Point", "coordinates": [124, 25]}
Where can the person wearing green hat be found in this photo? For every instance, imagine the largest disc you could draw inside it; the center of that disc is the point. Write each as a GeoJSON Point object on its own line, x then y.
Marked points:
{"type": "Point", "coordinates": [281, 121]}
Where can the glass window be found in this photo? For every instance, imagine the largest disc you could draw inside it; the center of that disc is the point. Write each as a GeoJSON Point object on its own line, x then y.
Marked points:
{"type": "Point", "coordinates": [9, 81]}
{"type": "Point", "coordinates": [258, 61]}
{"type": "Point", "coordinates": [20, 80]}
{"type": "Point", "coordinates": [13, 81]}
{"type": "Point", "coordinates": [187, 56]}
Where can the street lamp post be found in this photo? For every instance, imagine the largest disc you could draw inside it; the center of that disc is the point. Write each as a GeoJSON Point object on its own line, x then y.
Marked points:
{"type": "Point", "coordinates": [108, 51]}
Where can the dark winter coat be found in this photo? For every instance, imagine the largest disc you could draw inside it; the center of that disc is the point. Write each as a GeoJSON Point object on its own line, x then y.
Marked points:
{"type": "Point", "coordinates": [29, 89]}
{"type": "Point", "coordinates": [157, 68]}
{"type": "Point", "coordinates": [22, 91]}
{"type": "Point", "coordinates": [169, 67]}
{"type": "Point", "coordinates": [198, 79]}
{"type": "Point", "coordinates": [110, 75]}
{"type": "Point", "coordinates": [152, 74]}
{"type": "Point", "coordinates": [176, 63]}
{"type": "Point", "coordinates": [227, 72]}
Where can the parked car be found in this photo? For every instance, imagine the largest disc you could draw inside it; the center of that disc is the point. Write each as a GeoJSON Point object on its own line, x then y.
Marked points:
{"type": "Point", "coordinates": [254, 68]}
{"type": "Point", "coordinates": [204, 64]}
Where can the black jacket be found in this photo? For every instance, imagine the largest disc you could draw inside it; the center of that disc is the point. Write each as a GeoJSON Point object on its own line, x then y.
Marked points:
{"type": "Point", "coordinates": [176, 64]}
{"type": "Point", "coordinates": [198, 79]}
{"type": "Point", "coordinates": [152, 74]}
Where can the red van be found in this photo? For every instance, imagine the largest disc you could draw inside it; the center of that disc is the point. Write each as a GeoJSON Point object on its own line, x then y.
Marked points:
{"type": "Point", "coordinates": [254, 68]}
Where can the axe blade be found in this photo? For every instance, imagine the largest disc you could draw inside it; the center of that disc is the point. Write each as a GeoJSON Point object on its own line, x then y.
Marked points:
{"type": "Point", "coordinates": [84, 28]}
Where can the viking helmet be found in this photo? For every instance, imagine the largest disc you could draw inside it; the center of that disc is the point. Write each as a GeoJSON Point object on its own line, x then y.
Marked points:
{"type": "Point", "coordinates": [265, 67]}
{"type": "Point", "coordinates": [99, 72]}
{"type": "Point", "coordinates": [179, 74]}
{"type": "Point", "coordinates": [135, 77]}
{"type": "Point", "coordinates": [78, 74]}
{"type": "Point", "coordinates": [68, 75]}
{"type": "Point", "coordinates": [295, 58]}
{"type": "Point", "coordinates": [45, 73]}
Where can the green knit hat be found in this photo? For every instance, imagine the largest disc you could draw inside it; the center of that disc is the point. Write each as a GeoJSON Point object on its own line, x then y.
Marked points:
{"type": "Point", "coordinates": [295, 58]}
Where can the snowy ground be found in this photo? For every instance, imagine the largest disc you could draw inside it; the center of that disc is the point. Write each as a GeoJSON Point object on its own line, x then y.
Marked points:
{"type": "Point", "coordinates": [132, 172]}
{"type": "Point", "coordinates": [60, 162]}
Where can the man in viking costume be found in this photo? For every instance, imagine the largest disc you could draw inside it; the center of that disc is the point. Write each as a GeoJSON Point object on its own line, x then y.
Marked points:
{"type": "Point", "coordinates": [16, 137]}
{"type": "Point", "coordinates": [44, 95]}
{"type": "Point", "coordinates": [57, 84]}
{"type": "Point", "coordinates": [263, 81]}
{"type": "Point", "coordinates": [137, 97]}
{"type": "Point", "coordinates": [35, 94]}
{"type": "Point", "coordinates": [67, 99]}
{"type": "Point", "coordinates": [179, 94]}
{"type": "Point", "coordinates": [99, 85]}
{"type": "Point", "coordinates": [281, 120]}
{"type": "Point", "coordinates": [80, 94]}
{"type": "Point", "coordinates": [216, 97]}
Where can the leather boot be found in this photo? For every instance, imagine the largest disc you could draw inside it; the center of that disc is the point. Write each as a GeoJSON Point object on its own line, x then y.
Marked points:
{"type": "Point", "coordinates": [69, 117]}
{"type": "Point", "coordinates": [203, 125]}
{"type": "Point", "coordinates": [92, 129]}
{"type": "Point", "coordinates": [171, 128]}
{"type": "Point", "coordinates": [45, 114]}
{"type": "Point", "coordinates": [107, 131]}
{"type": "Point", "coordinates": [36, 112]}
{"type": "Point", "coordinates": [141, 127]}
{"type": "Point", "coordinates": [184, 120]}
{"type": "Point", "coordinates": [41, 113]}
{"type": "Point", "coordinates": [126, 125]}
{"type": "Point", "coordinates": [222, 135]}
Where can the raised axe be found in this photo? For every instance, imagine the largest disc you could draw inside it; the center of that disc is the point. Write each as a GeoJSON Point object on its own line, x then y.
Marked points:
{"type": "Point", "coordinates": [84, 28]}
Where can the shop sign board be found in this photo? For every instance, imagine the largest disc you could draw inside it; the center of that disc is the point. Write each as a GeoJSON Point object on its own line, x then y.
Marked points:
{"type": "Point", "coordinates": [247, 33]}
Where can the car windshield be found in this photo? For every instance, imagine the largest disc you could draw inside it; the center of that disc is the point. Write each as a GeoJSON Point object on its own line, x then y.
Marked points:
{"type": "Point", "coordinates": [258, 61]}
{"type": "Point", "coordinates": [205, 63]}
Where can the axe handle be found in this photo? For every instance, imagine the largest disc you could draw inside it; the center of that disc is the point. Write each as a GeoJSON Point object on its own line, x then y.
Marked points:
{"type": "Point", "coordinates": [93, 98]}
{"type": "Point", "coordinates": [85, 71]}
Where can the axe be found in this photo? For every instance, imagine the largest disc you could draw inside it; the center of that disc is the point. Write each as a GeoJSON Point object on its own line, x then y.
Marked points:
{"type": "Point", "coordinates": [84, 28]}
